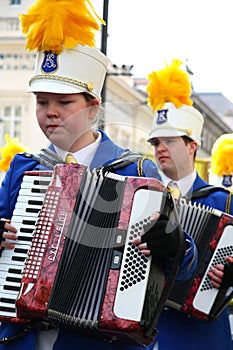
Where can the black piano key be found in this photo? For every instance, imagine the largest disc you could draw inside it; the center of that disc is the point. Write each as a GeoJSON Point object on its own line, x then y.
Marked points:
{"type": "Point", "coordinates": [12, 288]}
{"type": "Point", "coordinates": [21, 250]}
{"type": "Point", "coordinates": [7, 300]}
{"type": "Point", "coordinates": [13, 279]}
{"type": "Point", "coordinates": [23, 238]}
{"type": "Point", "coordinates": [7, 309]}
{"type": "Point", "coordinates": [26, 230]}
{"type": "Point", "coordinates": [18, 258]}
{"type": "Point", "coordinates": [15, 271]}
{"type": "Point", "coordinates": [41, 182]}
{"type": "Point", "coordinates": [32, 210]}
{"type": "Point", "coordinates": [29, 222]}
{"type": "Point", "coordinates": [38, 190]}
{"type": "Point", "coordinates": [35, 202]}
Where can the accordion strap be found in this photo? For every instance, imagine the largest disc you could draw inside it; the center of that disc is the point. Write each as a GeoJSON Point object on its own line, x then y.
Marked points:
{"type": "Point", "coordinates": [46, 157]}
{"type": "Point", "coordinates": [170, 280]}
{"type": "Point", "coordinates": [50, 159]}
{"type": "Point", "coordinates": [220, 296]}
{"type": "Point", "coordinates": [126, 158]}
{"type": "Point", "coordinates": [206, 190]}
{"type": "Point", "coordinates": [37, 326]}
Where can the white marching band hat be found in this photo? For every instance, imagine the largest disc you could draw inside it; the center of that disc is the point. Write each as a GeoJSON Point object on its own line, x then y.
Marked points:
{"type": "Point", "coordinates": [169, 93]}
{"type": "Point", "coordinates": [67, 61]}
{"type": "Point", "coordinates": [172, 121]}
{"type": "Point", "coordinates": [81, 69]}
{"type": "Point", "coordinates": [221, 166]}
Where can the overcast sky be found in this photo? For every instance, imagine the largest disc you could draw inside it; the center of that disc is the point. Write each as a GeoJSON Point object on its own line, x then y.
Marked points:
{"type": "Point", "coordinates": [147, 33]}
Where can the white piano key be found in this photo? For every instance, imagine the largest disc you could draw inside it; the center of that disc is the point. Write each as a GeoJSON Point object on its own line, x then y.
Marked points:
{"type": "Point", "coordinates": [29, 221]}
{"type": "Point", "coordinates": [35, 181]}
{"type": "Point", "coordinates": [11, 280]}
{"type": "Point", "coordinates": [8, 314]}
{"type": "Point", "coordinates": [7, 309]}
{"type": "Point", "coordinates": [27, 211]}
{"type": "Point", "coordinates": [34, 184]}
{"type": "Point", "coordinates": [15, 256]}
{"type": "Point", "coordinates": [7, 300]}
{"type": "Point", "coordinates": [9, 287]}
{"type": "Point", "coordinates": [12, 262]}
{"type": "Point", "coordinates": [26, 219]}
{"type": "Point", "coordinates": [25, 234]}
{"type": "Point", "coordinates": [17, 246]}
{"type": "Point", "coordinates": [29, 202]}
{"type": "Point", "coordinates": [30, 186]}
{"type": "Point", "coordinates": [23, 241]}
{"type": "Point", "coordinates": [19, 250]}
{"type": "Point", "coordinates": [27, 192]}
{"type": "Point", "coordinates": [11, 283]}
{"type": "Point", "coordinates": [21, 227]}
{"type": "Point", "coordinates": [5, 273]}
{"type": "Point", "coordinates": [32, 178]}
{"type": "Point", "coordinates": [7, 305]}
{"type": "Point", "coordinates": [4, 292]}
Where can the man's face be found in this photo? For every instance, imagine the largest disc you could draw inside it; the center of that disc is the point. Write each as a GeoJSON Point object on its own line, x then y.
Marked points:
{"type": "Point", "coordinates": [174, 157]}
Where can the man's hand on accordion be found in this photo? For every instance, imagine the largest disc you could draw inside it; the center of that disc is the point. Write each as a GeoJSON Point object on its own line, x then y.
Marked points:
{"type": "Point", "coordinates": [7, 232]}
{"type": "Point", "coordinates": [222, 275]}
{"type": "Point", "coordinates": [158, 238]}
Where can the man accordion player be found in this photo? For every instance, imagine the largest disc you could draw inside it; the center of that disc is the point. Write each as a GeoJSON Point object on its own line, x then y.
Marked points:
{"type": "Point", "coordinates": [176, 135]}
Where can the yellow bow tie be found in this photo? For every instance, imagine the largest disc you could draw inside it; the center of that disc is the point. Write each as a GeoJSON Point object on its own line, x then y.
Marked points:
{"type": "Point", "coordinates": [70, 159]}
{"type": "Point", "coordinates": [175, 191]}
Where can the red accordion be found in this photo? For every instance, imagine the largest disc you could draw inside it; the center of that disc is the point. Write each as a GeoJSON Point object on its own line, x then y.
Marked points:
{"type": "Point", "coordinates": [82, 271]}
{"type": "Point", "coordinates": [212, 232]}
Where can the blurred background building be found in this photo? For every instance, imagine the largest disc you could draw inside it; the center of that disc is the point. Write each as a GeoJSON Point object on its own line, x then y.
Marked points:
{"type": "Point", "coordinates": [127, 118]}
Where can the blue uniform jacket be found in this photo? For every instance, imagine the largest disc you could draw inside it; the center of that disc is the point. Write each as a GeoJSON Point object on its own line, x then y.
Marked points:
{"type": "Point", "coordinates": [179, 332]}
{"type": "Point", "coordinates": [106, 153]}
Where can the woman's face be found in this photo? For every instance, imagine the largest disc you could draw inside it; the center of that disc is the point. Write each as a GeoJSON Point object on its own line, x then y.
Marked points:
{"type": "Point", "coordinates": [65, 118]}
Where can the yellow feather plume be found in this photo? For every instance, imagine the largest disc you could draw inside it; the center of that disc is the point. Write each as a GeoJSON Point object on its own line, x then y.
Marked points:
{"type": "Point", "coordinates": [9, 150]}
{"type": "Point", "coordinates": [170, 84]}
{"type": "Point", "coordinates": [54, 25]}
{"type": "Point", "coordinates": [222, 155]}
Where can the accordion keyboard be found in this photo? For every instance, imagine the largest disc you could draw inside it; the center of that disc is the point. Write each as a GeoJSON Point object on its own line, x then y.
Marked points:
{"type": "Point", "coordinates": [25, 215]}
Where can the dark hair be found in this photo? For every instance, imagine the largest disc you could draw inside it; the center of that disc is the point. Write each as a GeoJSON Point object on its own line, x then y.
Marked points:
{"type": "Point", "coordinates": [87, 96]}
{"type": "Point", "coordinates": [187, 140]}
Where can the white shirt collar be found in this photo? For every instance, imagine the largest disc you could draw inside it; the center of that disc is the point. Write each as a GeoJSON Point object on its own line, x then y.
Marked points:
{"type": "Point", "coordinates": [184, 184]}
{"type": "Point", "coordinates": [83, 156]}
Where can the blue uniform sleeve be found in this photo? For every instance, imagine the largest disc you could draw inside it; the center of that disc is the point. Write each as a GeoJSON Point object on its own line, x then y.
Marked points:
{"type": "Point", "coordinates": [150, 169]}
{"type": "Point", "coordinates": [11, 183]}
{"type": "Point", "coordinates": [6, 198]}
